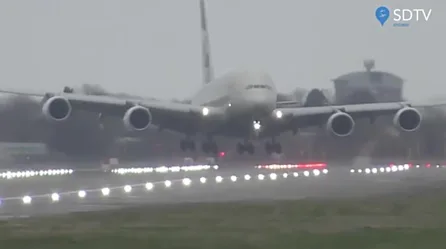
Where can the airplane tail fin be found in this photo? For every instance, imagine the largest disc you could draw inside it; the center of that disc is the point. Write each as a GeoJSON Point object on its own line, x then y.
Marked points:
{"type": "Point", "coordinates": [208, 70]}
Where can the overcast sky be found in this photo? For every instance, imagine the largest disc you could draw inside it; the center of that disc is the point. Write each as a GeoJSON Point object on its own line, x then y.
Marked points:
{"type": "Point", "coordinates": [152, 47]}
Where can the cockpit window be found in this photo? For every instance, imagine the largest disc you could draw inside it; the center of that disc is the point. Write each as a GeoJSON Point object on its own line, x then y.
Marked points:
{"type": "Point", "coordinates": [258, 87]}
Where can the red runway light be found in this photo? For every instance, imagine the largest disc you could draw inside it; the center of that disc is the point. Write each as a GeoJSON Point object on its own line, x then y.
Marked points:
{"type": "Point", "coordinates": [294, 166]}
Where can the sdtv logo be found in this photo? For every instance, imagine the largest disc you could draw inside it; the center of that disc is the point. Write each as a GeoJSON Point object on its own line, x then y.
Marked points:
{"type": "Point", "coordinates": [402, 17]}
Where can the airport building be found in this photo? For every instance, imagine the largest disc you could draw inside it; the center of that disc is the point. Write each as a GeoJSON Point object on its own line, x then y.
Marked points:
{"type": "Point", "coordinates": [368, 86]}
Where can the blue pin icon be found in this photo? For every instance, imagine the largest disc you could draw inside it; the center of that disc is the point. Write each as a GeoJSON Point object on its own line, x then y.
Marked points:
{"type": "Point", "coordinates": [382, 14]}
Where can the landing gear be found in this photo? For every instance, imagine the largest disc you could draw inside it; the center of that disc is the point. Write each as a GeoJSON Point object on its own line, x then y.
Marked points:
{"type": "Point", "coordinates": [187, 144]}
{"type": "Point", "coordinates": [245, 147]}
{"type": "Point", "coordinates": [209, 147]}
{"type": "Point", "coordinates": [273, 147]}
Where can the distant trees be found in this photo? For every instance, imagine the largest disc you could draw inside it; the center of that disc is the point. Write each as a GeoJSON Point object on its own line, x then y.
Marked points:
{"type": "Point", "coordinates": [21, 120]}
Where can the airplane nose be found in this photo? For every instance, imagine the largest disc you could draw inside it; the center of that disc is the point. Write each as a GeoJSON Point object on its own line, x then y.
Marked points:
{"type": "Point", "coordinates": [261, 102]}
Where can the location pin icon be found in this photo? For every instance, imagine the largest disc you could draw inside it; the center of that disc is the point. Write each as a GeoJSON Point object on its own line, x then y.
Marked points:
{"type": "Point", "coordinates": [382, 14]}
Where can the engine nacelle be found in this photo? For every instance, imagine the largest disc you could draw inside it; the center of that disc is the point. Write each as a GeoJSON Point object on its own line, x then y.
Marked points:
{"type": "Point", "coordinates": [407, 119]}
{"type": "Point", "coordinates": [57, 108]}
{"type": "Point", "coordinates": [340, 124]}
{"type": "Point", "coordinates": [137, 118]}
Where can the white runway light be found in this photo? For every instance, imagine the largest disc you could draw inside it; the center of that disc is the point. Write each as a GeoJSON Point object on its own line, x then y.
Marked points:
{"type": "Point", "coordinates": [233, 178]}
{"type": "Point", "coordinates": [316, 172]}
{"type": "Point", "coordinates": [81, 194]}
{"type": "Point", "coordinates": [203, 180]}
{"type": "Point", "coordinates": [367, 171]}
{"type": "Point", "coordinates": [381, 170]}
{"type": "Point", "coordinates": [187, 182]}
{"type": "Point", "coordinates": [325, 171]}
{"type": "Point", "coordinates": [400, 167]}
{"type": "Point", "coordinates": [394, 168]}
{"type": "Point", "coordinates": [55, 197]}
{"type": "Point", "coordinates": [247, 177]}
{"type": "Point", "coordinates": [31, 173]}
{"type": "Point", "coordinates": [374, 170]}
{"type": "Point", "coordinates": [261, 177]}
{"type": "Point", "coordinates": [295, 174]}
{"type": "Point", "coordinates": [26, 199]}
{"type": "Point", "coordinates": [167, 183]}
{"type": "Point", "coordinates": [285, 175]}
{"type": "Point", "coordinates": [388, 169]}
{"type": "Point", "coordinates": [127, 188]}
{"type": "Point", "coordinates": [306, 173]}
{"type": "Point", "coordinates": [273, 176]}
{"type": "Point", "coordinates": [105, 191]}
{"type": "Point", "coordinates": [406, 166]}
{"type": "Point", "coordinates": [218, 179]}
{"type": "Point", "coordinates": [149, 186]}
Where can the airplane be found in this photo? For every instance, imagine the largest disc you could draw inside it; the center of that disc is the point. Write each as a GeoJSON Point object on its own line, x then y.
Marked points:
{"type": "Point", "coordinates": [241, 104]}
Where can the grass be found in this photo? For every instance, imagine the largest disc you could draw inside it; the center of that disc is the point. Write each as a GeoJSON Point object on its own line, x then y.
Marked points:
{"type": "Point", "coordinates": [405, 222]}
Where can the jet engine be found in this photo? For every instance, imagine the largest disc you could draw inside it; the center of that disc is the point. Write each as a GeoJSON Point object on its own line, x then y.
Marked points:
{"type": "Point", "coordinates": [407, 119]}
{"type": "Point", "coordinates": [57, 108]}
{"type": "Point", "coordinates": [340, 124]}
{"type": "Point", "coordinates": [137, 118]}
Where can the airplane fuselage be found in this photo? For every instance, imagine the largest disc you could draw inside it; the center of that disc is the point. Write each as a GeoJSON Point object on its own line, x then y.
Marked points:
{"type": "Point", "coordinates": [246, 94]}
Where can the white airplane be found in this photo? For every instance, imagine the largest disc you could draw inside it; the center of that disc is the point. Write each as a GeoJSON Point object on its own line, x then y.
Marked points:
{"type": "Point", "coordinates": [241, 104]}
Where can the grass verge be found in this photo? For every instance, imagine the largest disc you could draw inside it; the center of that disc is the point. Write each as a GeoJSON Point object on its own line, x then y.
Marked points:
{"type": "Point", "coordinates": [387, 222]}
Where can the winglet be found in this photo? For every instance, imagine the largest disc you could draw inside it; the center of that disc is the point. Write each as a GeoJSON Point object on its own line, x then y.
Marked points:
{"type": "Point", "coordinates": [208, 71]}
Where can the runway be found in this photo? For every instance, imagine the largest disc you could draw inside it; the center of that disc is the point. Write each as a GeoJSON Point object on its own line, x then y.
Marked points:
{"type": "Point", "coordinates": [211, 185]}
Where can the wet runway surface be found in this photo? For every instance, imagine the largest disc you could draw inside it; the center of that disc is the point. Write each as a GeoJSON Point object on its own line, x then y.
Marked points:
{"type": "Point", "coordinates": [263, 184]}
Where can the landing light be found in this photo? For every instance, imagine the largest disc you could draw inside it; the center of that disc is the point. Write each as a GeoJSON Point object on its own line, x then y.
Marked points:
{"type": "Point", "coordinates": [205, 111]}
{"type": "Point", "coordinates": [257, 125]}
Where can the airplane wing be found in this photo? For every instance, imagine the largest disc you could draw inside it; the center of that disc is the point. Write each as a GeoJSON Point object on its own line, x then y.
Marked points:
{"type": "Point", "coordinates": [340, 119]}
{"type": "Point", "coordinates": [357, 110]}
{"type": "Point", "coordinates": [287, 104]}
{"type": "Point", "coordinates": [165, 114]}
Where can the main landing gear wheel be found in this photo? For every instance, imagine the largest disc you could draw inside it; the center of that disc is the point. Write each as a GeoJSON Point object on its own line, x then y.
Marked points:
{"type": "Point", "coordinates": [248, 147]}
{"type": "Point", "coordinates": [186, 145]}
{"type": "Point", "coordinates": [209, 148]}
{"type": "Point", "coordinates": [273, 148]}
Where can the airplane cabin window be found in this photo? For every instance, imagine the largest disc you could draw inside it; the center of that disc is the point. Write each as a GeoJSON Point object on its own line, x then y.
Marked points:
{"type": "Point", "coordinates": [258, 87]}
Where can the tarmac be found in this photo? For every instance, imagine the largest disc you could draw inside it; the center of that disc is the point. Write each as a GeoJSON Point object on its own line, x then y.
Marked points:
{"type": "Point", "coordinates": [279, 184]}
